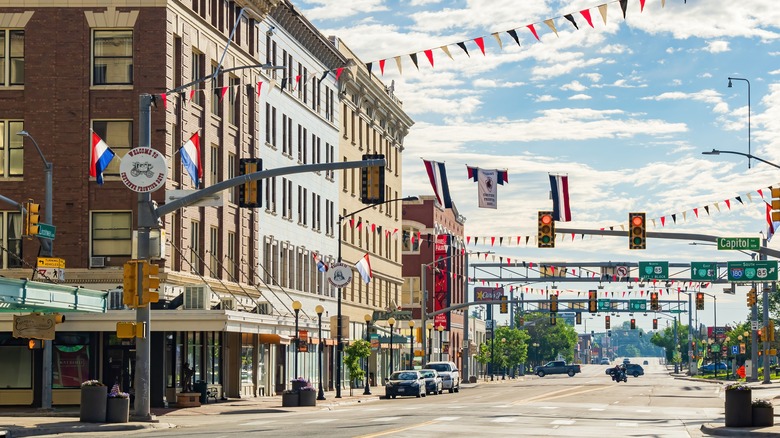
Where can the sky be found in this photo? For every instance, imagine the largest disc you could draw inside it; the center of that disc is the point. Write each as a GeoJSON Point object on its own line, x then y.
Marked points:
{"type": "Point", "coordinates": [625, 109]}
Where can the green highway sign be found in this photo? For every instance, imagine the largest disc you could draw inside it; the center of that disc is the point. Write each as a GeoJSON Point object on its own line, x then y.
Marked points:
{"type": "Point", "coordinates": [654, 270]}
{"type": "Point", "coordinates": [604, 304]}
{"type": "Point", "coordinates": [637, 305]}
{"type": "Point", "coordinates": [763, 270]}
{"type": "Point", "coordinates": [704, 271]}
{"type": "Point", "coordinates": [46, 231]}
{"type": "Point", "coordinates": [739, 243]}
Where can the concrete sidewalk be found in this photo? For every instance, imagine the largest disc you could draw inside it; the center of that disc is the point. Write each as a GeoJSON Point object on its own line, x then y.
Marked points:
{"type": "Point", "coordinates": [22, 422]}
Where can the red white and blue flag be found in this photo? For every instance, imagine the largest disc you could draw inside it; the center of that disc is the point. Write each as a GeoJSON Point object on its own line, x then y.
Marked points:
{"type": "Point", "coordinates": [190, 158]}
{"type": "Point", "coordinates": [438, 176]}
{"type": "Point", "coordinates": [321, 266]}
{"type": "Point", "coordinates": [364, 267]}
{"type": "Point", "coordinates": [100, 159]}
{"type": "Point", "coordinates": [559, 185]}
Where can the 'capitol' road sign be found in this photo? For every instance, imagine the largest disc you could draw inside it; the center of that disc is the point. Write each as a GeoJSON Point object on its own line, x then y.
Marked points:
{"type": "Point", "coordinates": [739, 243]}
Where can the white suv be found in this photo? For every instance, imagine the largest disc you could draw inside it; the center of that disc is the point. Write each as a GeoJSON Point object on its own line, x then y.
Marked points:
{"type": "Point", "coordinates": [449, 373]}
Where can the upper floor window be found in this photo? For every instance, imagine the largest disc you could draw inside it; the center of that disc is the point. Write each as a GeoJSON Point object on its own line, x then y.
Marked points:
{"type": "Point", "coordinates": [410, 240]}
{"type": "Point", "coordinates": [118, 134]}
{"type": "Point", "coordinates": [12, 156]}
{"type": "Point", "coordinates": [112, 57]}
{"type": "Point", "coordinates": [11, 239]}
{"type": "Point", "coordinates": [11, 57]}
{"type": "Point", "coordinates": [112, 233]}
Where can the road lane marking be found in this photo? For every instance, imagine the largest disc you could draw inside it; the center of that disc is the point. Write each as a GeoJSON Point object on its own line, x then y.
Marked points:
{"type": "Point", "coordinates": [386, 419]}
{"type": "Point", "coordinates": [548, 407]}
{"type": "Point", "coordinates": [643, 410]}
{"type": "Point", "coordinates": [627, 424]}
{"type": "Point", "coordinates": [596, 409]}
{"type": "Point", "coordinates": [572, 393]}
{"type": "Point", "coordinates": [446, 419]}
{"type": "Point", "coordinates": [503, 406]}
{"type": "Point", "coordinates": [324, 420]}
{"type": "Point", "coordinates": [505, 420]}
{"type": "Point", "coordinates": [257, 423]}
{"type": "Point", "coordinates": [563, 422]}
{"type": "Point", "coordinates": [394, 431]}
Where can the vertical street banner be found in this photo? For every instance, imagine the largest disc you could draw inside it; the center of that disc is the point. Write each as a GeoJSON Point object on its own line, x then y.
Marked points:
{"type": "Point", "coordinates": [487, 183]}
{"type": "Point", "coordinates": [441, 281]}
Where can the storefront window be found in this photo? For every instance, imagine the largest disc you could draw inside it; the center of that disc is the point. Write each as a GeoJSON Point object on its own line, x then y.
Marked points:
{"type": "Point", "coordinates": [247, 359]}
{"type": "Point", "coordinates": [72, 364]}
{"type": "Point", "coordinates": [194, 353]}
{"type": "Point", "coordinates": [213, 358]}
{"type": "Point", "coordinates": [16, 363]}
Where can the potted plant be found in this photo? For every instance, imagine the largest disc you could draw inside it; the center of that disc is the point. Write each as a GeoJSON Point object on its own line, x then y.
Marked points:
{"type": "Point", "coordinates": [739, 411]}
{"type": "Point", "coordinates": [289, 398]}
{"type": "Point", "coordinates": [93, 402]}
{"type": "Point", "coordinates": [763, 413]}
{"type": "Point", "coordinates": [118, 406]}
{"type": "Point", "coordinates": [307, 396]}
{"type": "Point", "coordinates": [298, 383]}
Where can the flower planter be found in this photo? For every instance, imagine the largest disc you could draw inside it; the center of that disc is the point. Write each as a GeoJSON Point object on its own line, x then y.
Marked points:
{"type": "Point", "coordinates": [739, 412]}
{"type": "Point", "coordinates": [93, 404]}
{"type": "Point", "coordinates": [118, 410]}
{"type": "Point", "coordinates": [763, 417]}
{"type": "Point", "coordinates": [290, 399]}
{"type": "Point", "coordinates": [307, 398]}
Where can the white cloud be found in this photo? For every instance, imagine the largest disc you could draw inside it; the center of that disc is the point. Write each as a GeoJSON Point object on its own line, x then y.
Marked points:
{"type": "Point", "coordinates": [594, 77]}
{"type": "Point", "coordinates": [573, 86]}
{"type": "Point", "coordinates": [717, 46]}
{"type": "Point", "coordinates": [335, 9]}
{"type": "Point", "coordinates": [711, 97]}
{"type": "Point", "coordinates": [546, 98]}
{"type": "Point", "coordinates": [580, 97]}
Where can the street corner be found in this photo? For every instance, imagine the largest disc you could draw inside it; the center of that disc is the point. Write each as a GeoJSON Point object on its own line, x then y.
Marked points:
{"type": "Point", "coordinates": [719, 429]}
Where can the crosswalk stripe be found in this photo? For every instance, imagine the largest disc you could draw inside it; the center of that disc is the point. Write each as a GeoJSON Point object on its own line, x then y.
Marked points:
{"type": "Point", "coordinates": [386, 419]}
{"type": "Point", "coordinates": [257, 423]}
{"type": "Point", "coordinates": [505, 420]}
{"type": "Point", "coordinates": [446, 418]}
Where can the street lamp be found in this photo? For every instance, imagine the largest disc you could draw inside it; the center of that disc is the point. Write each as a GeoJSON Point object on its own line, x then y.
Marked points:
{"type": "Point", "coordinates": [429, 326]}
{"type": "Point", "coordinates": [319, 310]}
{"type": "Point", "coordinates": [339, 346]}
{"type": "Point", "coordinates": [749, 156]}
{"type": "Point", "coordinates": [47, 245]}
{"type": "Point", "coordinates": [748, 85]}
{"type": "Point", "coordinates": [715, 327]}
{"type": "Point", "coordinates": [411, 345]}
{"type": "Point", "coordinates": [367, 317]}
{"type": "Point", "coordinates": [391, 322]}
{"type": "Point", "coordinates": [536, 352]}
{"type": "Point", "coordinates": [441, 336]}
{"type": "Point", "coordinates": [296, 305]}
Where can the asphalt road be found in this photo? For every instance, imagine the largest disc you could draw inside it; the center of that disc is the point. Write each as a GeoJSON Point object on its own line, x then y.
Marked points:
{"type": "Point", "coordinates": [587, 405]}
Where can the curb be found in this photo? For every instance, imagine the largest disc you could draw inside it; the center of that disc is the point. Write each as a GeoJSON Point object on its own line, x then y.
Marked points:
{"type": "Point", "coordinates": [14, 433]}
{"type": "Point", "coordinates": [718, 430]}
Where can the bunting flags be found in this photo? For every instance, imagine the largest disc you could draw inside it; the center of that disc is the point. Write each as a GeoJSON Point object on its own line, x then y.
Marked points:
{"type": "Point", "coordinates": [487, 184]}
{"type": "Point", "coordinates": [437, 174]}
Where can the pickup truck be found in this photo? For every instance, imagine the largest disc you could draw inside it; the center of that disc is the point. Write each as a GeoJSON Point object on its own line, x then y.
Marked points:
{"type": "Point", "coordinates": [557, 367]}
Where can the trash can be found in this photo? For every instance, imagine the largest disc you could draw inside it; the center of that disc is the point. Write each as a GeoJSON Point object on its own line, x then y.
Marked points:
{"type": "Point", "coordinates": [201, 387]}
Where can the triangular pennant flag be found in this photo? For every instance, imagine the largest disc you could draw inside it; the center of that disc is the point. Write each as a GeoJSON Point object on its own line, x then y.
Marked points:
{"type": "Point", "coordinates": [468, 239]}
{"type": "Point", "coordinates": [518, 240]}
{"type": "Point", "coordinates": [696, 212]}
{"type": "Point", "coordinates": [284, 83]}
{"type": "Point", "coordinates": [663, 3]}
{"type": "Point", "coordinates": [571, 19]}
{"type": "Point", "coordinates": [164, 98]}
{"type": "Point", "coordinates": [183, 96]}
{"type": "Point", "coordinates": [324, 75]}
{"type": "Point", "coordinates": [684, 218]}
{"type": "Point", "coordinates": [707, 209]}
{"type": "Point", "coordinates": [513, 34]}
{"type": "Point", "coordinates": [192, 93]}
{"type": "Point", "coordinates": [641, 5]}
{"type": "Point", "coordinates": [603, 12]}
{"type": "Point", "coordinates": [739, 198]}
{"type": "Point", "coordinates": [446, 51]}
{"type": "Point", "coordinates": [500, 240]}
{"type": "Point", "coordinates": [462, 45]}
{"type": "Point", "coordinates": [339, 71]}
{"type": "Point", "coordinates": [586, 14]}
{"type": "Point", "coordinates": [717, 205]}
{"type": "Point", "coordinates": [663, 220]}
{"type": "Point", "coordinates": [259, 87]}
{"type": "Point", "coordinates": [623, 6]}
{"type": "Point", "coordinates": [429, 54]}
{"type": "Point", "coordinates": [414, 60]}
{"type": "Point", "coordinates": [492, 241]}
{"type": "Point", "coordinates": [481, 44]}
{"type": "Point", "coordinates": [760, 192]}
{"type": "Point", "coordinates": [551, 24]}
{"type": "Point", "coordinates": [498, 39]}
{"type": "Point", "coordinates": [382, 67]}
{"type": "Point", "coordinates": [674, 217]}
{"type": "Point", "coordinates": [368, 67]}
{"type": "Point", "coordinates": [533, 31]}
{"type": "Point", "coordinates": [222, 92]}
{"type": "Point", "coordinates": [476, 238]}
{"type": "Point", "coordinates": [750, 198]}
{"type": "Point", "coordinates": [728, 203]}
{"type": "Point", "coordinates": [398, 64]}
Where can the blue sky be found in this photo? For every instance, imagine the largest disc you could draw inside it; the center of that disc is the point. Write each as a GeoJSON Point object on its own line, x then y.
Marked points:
{"type": "Point", "coordinates": [625, 109]}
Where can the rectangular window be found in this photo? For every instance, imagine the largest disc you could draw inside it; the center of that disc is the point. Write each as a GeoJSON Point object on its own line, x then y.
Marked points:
{"type": "Point", "coordinates": [214, 165]}
{"type": "Point", "coordinates": [233, 192]}
{"type": "Point", "coordinates": [11, 239]}
{"type": "Point", "coordinates": [197, 73]}
{"type": "Point", "coordinates": [11, 146]}
{"type": "Point", "coordinates": [289, 199]}
{"type": "Point", "coordinates": [195, 247]}
{"type": "Point", "coordinates": [213, 256]}
{"type": "Point", "coordinates": [112, 233]}
{"type": "Point", "coordinates": [11, 57]}
{"type": "Point", "coordinates": [285, 199]}
{"type": "Point", "coordinates": [118, 135]}
{"type": "Point", "coordinates": [230, 262]}
{"type": "Point", "coordinates": [216, 95]}
{"type": "Point", "coordinates": [234, 105]}
{"type": "Point", "coordinates": [268, 123]}
{"type": "Point", "coordinates": [112, 57]}
{"type": "Point", "coordinates": [284, 135]}
{"type": "Point", "coordinates": [270, 195]}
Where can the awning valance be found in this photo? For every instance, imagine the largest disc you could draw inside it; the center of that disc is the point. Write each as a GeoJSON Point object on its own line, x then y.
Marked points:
{"type": "Point", "coordinates": [273, 338]}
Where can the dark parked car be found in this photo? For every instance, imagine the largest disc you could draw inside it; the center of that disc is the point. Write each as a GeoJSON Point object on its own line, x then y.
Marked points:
{"type": "Point", "coordinates": [632, 369]}
{"type": "Point", "coordinates": [433, 384]}
{"type": "Point", "coordinates": [408, 382]}
{"type": "Point", "coordinates": [710, 368]}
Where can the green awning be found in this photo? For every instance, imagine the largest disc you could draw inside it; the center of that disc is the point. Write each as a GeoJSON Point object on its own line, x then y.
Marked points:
{"type": "Point", "coordinates": [33, 296]}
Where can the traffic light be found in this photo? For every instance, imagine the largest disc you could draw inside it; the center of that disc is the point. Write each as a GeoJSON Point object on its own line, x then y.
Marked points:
{"type": "Point", "coordinates": [761, 333]}
{"type": "Point", "coordinates": [546, 230]}
{"type": "Point", "coordinates": [593, 305]}
{"type": "Point", "coordinates": [699, 301]}
{"type": "Point", "coordinates": [606, 322]}
{"type": "Point", "coordinates": [775, 204]}
{"type": "Point", "coordinates": [35, 344]}
{"type": "Point", "coordinates": [578, 318]}
{"type": "Point", "coordinates": [130, 284]}
{"type": "Point", "coordinates": [372, 181]}
{"type": "Point", "coordinates": [655, 323]}
{"type": "Point", "coordinates": [771, 329]}
{"type": "Point", "coordinates": [553, 303]}
{"type": "Point", "coordinates": [552, 319]}
{"type": "Point", "coordinates": [609, 333]}
{"type": "Point", "coordinates": [249, 193]}
{"type": "Point", "coordinates": [751, 297]}
{"type": "Point", "coordinates": [633, 324]}
{"type": "Point", "coordinates": [504, 305]}
{"type": "Point", "coordinates": [636, 231]}
{"type": "Point", "coordinates": [32, 218]}
{"type": "Point", "coordinates": [151, 280]}
{"type": "Point", "coordinates": [654, 301]}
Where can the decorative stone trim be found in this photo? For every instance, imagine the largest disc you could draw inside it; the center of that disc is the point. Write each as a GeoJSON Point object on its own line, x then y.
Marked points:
{"type": "Point", "coordinates": [111, 18]}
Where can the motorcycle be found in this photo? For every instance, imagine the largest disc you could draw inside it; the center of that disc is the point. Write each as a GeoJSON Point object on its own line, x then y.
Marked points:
{"type": "Point", "coordinates": [619, 376]}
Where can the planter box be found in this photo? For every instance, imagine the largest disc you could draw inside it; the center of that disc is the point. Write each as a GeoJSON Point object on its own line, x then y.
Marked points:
{"type": "Point", "coordinates": [188, 399]}
{"type": "Point", "coordinates": [307, 398]}
{"type": "Point", "coordinates": [290, 400]}
{"type": "Point", "coordinates": [118, 410]}
{"type": "Point", "coordinates": [763, 417]}
{"type": "Point", "coordinates": [93, 404]}
{"type": "Point", "coordinates": [739, 412]}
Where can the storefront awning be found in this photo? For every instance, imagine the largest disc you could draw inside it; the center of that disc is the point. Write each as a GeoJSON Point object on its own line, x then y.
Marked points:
{"type": "Point", "coordinates": [273, 338]}
{"type": "Point", "coordinates": [33, 296]}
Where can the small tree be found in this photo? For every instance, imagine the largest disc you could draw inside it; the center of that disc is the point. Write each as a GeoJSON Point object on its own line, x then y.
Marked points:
{"type": "Point", "coordinates": [353, 356]}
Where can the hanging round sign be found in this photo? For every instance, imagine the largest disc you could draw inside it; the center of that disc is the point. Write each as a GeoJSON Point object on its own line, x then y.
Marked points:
{"type": "Point", "coordinates": [143, 170]}
{"type": "Point", "coordinates": [339, 274]}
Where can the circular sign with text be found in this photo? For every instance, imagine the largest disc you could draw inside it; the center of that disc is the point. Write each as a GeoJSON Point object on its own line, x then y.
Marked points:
{"type": "Point", "coordinates": [339, 274]}
{"type": "Point", "coordinates": [143, 170]}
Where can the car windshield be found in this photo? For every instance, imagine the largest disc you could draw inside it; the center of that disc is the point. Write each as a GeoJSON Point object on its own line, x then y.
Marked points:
{"type": "Point", "coordinates": [403, 375]}
{"type": "Point", "coordinates": [439, 367]}
{"type": "Point", "coordinates": [427, 374]}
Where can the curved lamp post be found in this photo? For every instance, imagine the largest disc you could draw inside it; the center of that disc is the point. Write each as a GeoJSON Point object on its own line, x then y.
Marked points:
{"type": "Point", "coordinates": [748, 84]}
{"type": "Point", "coordinates": [319, 310]}
{"type": "Point", "coordinates": [47, 245]}
{"type": "Point", "coordinates": [367, 317]}
{"type": "Point", "coordinates": [391, 322]}
{"type": "Point", "coordinates": [749, 156]}
{"type": "Point", "coordinates": [411, 345]}
{"type": "Point", "coordinates": [296, 305]}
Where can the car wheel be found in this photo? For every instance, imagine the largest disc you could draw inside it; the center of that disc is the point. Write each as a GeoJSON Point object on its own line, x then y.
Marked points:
{"type": "Point", "coordinates": [571, 373]}
{"type": "Point", "coordinates": [540, 374]}
{"type": "Point", "coordinates": [451, 390]}
{"type": "Point", "coordinates": [393, 397]}
{"type": "Point", "coordinates": [457, 389]}
{"type": "Point", "coordinates": [636, 374]}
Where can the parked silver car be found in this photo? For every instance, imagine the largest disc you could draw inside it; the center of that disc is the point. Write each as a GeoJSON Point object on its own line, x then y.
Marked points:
{"type": "Point", "coordinates": [433, 384]}
{"type": "Point", "coordinates": [406, 382]}
{"type": "Point", "coordinates": [450, 375]}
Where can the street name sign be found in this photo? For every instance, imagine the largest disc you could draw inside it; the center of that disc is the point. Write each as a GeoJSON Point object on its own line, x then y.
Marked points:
{"type": "Point", "coordinates": [762, 270]}
{"type": "Point", "coordinates": [739, 243]}
{"type": "Point", "coordinates": [704, 271]}
{"type": "Point", "coordinates": [46, 231]}
{"type": "Point", "coordinates": [654, 270]}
